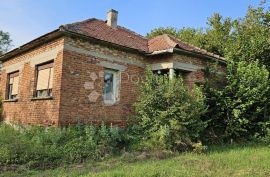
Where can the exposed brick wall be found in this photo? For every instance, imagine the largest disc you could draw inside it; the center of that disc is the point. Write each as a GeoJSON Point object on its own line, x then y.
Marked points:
{"type": "Point", "coordinates": [77, 70]}
{"type": "Point", "coordinates": [26, 110]}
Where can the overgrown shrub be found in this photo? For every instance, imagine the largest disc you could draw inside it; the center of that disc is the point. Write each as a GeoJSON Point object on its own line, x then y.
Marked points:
{"type": "Point", "coordinates": [237, 110]}
{"type": "Point", "coordinates": [168, 113]}
{"type": "Point", "coordinates": [45, 147]}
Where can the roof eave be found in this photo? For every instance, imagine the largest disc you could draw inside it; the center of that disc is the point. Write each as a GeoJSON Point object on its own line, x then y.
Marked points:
{"type": "Point", "coordinates": [220, 60]}
{"type": "Point", "coordinates": [178, 50]}
{"type": "Point", "coordinates": [157, 52]}
{"type": "Point", "coordinates": [31, 44]}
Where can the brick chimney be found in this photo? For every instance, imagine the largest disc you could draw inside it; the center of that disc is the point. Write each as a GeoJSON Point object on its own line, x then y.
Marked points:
{"type": "Point", "coordinates": [112, 18]}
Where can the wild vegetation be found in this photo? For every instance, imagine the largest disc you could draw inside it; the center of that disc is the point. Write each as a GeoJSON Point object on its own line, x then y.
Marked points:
{"type": "Point", "coordinates": [37, 147]}
{"type": "Point", "coordinates": [169, 113]}
{"type": "Point", "coordinates": [171, 118]}
{"type": "Point", "coordinates": [239, 109]}
{"type": "Point", "coordinates": [229, 160]}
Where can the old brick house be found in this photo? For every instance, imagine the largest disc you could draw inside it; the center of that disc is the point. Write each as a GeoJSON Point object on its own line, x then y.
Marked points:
{"type": "Point", "coordinates": [87, 72]}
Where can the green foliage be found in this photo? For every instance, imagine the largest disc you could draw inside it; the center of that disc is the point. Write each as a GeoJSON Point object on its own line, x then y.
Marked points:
{"type": "Point", "coordinates": [159, 31]}
{"type": "Point", "coordinates": [5, 42]}
{"type": "Point", "coordinates": [218, 34]}
{"type": "Point", "coordinates": [237, 111]}
{"type": "Point", "coordinates": [42, 147]}
{"type": "Point", "coordinates": [250, 38]}
{"type": "Point", "coordinates": [265, 139]}
{"type": "Point", "coordinates": [168, 113]}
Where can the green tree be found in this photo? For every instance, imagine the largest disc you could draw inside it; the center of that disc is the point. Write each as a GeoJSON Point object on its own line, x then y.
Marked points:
{"type": "Point", "coordinates": [251, 37]}
{"type": "Point", "coordinates": [192, 36]}
{"type": "Point", "coordinates": [161, 30]}
{"type": "Point", "coordinates": [218, 34]}
{"type": "Point", "coordinates": [5, 42]}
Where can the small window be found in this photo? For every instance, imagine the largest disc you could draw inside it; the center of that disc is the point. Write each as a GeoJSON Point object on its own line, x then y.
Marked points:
{"type": "Point", "coordinates": [13, 85]}
{"type": "Point", "coordinates": [44, 80]}
{"type": "Point", "coordinates": [111, 84]}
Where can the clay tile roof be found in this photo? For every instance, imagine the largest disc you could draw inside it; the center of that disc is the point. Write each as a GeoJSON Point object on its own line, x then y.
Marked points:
{"type": "Point", "coordinates": [100, 30]}
{"type": "Point", "coordinates": [161, 42]}
{"type": "Point", "coordinates": [121, 36]}
{"type": "Point", "coordinates": [166, 41]}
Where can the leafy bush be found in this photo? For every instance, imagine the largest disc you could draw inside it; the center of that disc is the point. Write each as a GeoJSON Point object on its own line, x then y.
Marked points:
{"type": "Point", "coordinates": [45, 147]}
{"type": "Point", "coordinates": [237, 111]}
{"type": "Point", "coordinates": [168, 113]}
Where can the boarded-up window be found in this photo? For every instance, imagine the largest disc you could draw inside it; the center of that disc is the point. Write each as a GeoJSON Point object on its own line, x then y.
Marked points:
{"type": "Point", "coordinates": [44, 80]}
{"type": "Point", "coordinates": [13, 85]}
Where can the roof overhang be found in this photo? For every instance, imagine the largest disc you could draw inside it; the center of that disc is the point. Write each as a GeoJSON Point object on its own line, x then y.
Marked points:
{"type": "Point", "coordinates": [32, 44]}
{"type": "Point", "coordinates": [176, 65]}
{"type": "Point", "coordinates": [220, 60]}
{"type": "Point", "coordinates": [161, 52]}
{"type": "Point", "coordinates": [182, 51]}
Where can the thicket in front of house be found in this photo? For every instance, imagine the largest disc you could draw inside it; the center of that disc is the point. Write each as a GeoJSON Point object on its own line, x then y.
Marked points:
{"type": "Point", "coordinates": [168, 113]}
{"type": "Point", "coordinates": [229, 107]}
{"type": "Point", "coordinates": [38, 147]}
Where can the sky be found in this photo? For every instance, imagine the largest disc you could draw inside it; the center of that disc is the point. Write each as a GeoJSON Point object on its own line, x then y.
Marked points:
{"type": "Point", "coordinates": [26, 20]}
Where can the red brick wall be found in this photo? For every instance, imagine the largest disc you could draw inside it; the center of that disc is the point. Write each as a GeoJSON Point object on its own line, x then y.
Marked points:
{"type": "Point", "coordinates": [26, 110]}
{"type": "Point", "coordinates": [76, 107]}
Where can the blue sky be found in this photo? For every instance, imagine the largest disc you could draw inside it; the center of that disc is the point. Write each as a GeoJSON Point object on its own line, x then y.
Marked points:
{"type": "Point", "coordinates": [28, 19]}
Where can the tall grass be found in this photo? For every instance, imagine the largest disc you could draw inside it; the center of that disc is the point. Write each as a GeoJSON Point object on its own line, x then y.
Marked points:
{"type": "Point", "coordinates": [38, 147]}
{"type": "Point", "coordinates": [222, 161]}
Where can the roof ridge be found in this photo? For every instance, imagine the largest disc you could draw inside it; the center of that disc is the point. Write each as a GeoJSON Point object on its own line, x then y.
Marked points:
{"type": "Point", "coordinates": [131, 32]}
{"type": "Point", "coordinates": [118, 26]}
{"type": "Point", "coordinates": [78, 22]}
{"type": "Point", "coordinates": [102, 31]}
{"type": "Point", "coordinates": [168, 39]}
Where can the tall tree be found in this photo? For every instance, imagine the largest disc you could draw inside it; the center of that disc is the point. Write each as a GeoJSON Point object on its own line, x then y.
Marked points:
{"type": "Point", "coordinates": [5, 42]}
{"type": "Point", "coordinates": [162, 30]}
{"type": "Point", "coordinates": [251, 37]}
{"type": "Point", "coordinates": [217, 35]}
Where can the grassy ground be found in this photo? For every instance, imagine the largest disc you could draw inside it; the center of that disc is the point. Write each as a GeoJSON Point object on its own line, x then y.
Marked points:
{"type": "Point", "coordinates": [230, 161]}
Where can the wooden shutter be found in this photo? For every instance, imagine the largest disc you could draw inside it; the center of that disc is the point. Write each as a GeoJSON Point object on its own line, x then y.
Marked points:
{"type": "Point", "coordinates": [15, 85]}
{"type": "Point", "coordinates": [43, 79]}
{"type": "Point", "coordinates": [11, 80]}
{"type": "Point", "coordinates": [51, 79]}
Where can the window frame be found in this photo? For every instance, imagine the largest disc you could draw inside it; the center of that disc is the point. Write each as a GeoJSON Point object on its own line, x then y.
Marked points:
{"type": "Point", "coordinates": [8, 85]}
{"type": "Point", "coordinates": [116, 86]}
{"type": "Point", "coordinates": [39, 67]}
